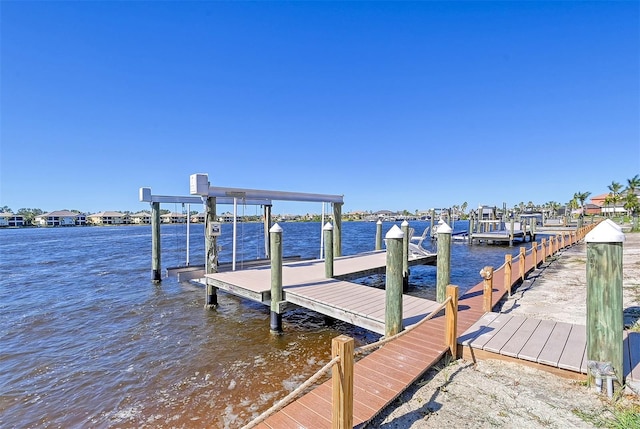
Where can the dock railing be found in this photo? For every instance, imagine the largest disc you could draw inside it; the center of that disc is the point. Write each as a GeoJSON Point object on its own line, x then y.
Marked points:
{"type": "Point", "coordinates": [343, 360]}
{"type": "Point", "coordinates": [528, 260]}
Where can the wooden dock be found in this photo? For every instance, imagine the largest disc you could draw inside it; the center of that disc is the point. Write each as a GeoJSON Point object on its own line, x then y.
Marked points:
{"type": "Point", "coordinates": [304, 284]}
{"type": "Point", "coordinates": [383, 375]}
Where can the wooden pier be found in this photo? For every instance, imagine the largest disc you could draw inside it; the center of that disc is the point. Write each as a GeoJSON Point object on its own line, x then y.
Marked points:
{"type": "Point", "coordinates": [383, 375]}
{"type": "Point", "coordinates": [305, 285]}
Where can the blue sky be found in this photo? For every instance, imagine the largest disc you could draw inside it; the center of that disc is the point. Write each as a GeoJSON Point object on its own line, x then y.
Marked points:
{"type": "Point", "coordinates": [396, 105]}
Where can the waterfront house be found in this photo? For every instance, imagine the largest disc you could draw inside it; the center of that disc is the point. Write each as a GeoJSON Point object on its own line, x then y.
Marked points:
{"type": "Point", "coordinates": [10, 219]}
{"type": "Point", "coordinates": [198, 218]}
{"type": "Point", "coordinates": [108, 218]}
{"type": "Point", "coordinates": [173, 218]}
{"type": "Point", "coordinates": [141, 218]}
{"type": "Point", "coordinates": [60, 218]}
{"type": "Point", "coordinates": [228, 217]}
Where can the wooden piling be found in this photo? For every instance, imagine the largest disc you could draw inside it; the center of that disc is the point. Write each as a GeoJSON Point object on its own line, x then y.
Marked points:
{"type": "Point", "coordinates": [156, 268]}
{"type": "Point", "coordinates": [327, 230]}
{"type": "Point", "coordinates": [522, 262]}
{"type": "Point", "coordinates": [534, 251]}
{"type": "Point", "coordinates": [511, 231]}
{"type": "Point", "coordinates": [393, 286]}
{"type": "Point", "coordinates": [470, 234]}
{"type": "Point", "coordinates": [266, 222]}
{"type": "Point", "coordinates": [487, 288]}
{"type": "Point", "coordinates": [543, 248]}
{"type": "Point", "coordinates": [443, 265]}
{"type": "Point", "coordinates": [604, 296]}
{"type": "Point", "coordinates": [211, 250]}
{"type": "Point", "coordinates": [451, 320]}
{"type": "Point", "coordinates": [405, 256]}
{"type": "Point", "coordinates": [276, 278]}
{"type": "Point", "coordinates": [508, 281]}
{"type": "Point", "coordinates": [342, 383]}
{"type": "Point", "coordinates": [337, 229]}
{"type": "Point", "coordinates": [379, 235]}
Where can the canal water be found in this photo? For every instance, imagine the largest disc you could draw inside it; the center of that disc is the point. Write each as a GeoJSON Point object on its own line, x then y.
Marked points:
{"type": "Point", "coordinates": [86, 339]}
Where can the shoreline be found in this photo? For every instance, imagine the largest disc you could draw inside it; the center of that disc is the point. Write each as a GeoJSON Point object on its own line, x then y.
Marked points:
{"type": "Point", "coordinates": [494, 393]}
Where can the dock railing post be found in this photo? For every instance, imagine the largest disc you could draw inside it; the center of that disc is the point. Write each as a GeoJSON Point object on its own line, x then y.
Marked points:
{"type": "Point", "coordinates": [156, 270]}
{"type": "Point", "coordinates": [522, 262]}
{"type": "Point", "coordinates": [451, 320]}
{"type": "Point", "coordinates": [534, 251]}
{"type": "Point", "coordinates": [543, 248]}
{"type": "Point", "coordinates": [276, 278]}
{"type": "Point", "coordinates": [605, 321]}
{"type": "Point", "coordinates": [405, 256]}
{"type": "Point", "coordinates": [487, 289]}
{"type": "Point", "coordinates": [327, 230]}
{"type": "Point", "coordinates": [508, 261]}
{"type": "Point", "coordinates": [443, 264]}
{"type": "Point", "coordinates": [379, 235]}
{"type": "Point", "coordinates": [393, 286]}
{"type": "Point", "coordinates": [342, 383]}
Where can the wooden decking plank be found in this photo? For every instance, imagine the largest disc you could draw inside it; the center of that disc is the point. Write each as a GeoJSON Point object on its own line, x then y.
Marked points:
{"type": "Point", "coordinates": [501, 337]}
{"type": "Point", "coordinates": [552, 350]}
{"type": "Point", "coordinates": [538, 339]}
{"type": "Point", "coordinates": [307, 417]}
{"type": "Point", "coordinates": [477, 329]}
{"type": "Point", "coordinates": [520, 338]}
{"type": "Point", "coordinates": [491, 330]}
{"type": "Point", "coordinates": [575, 349]}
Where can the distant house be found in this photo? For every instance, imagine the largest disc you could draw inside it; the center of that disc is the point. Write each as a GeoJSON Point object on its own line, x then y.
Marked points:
{"type": "Point", "coordinates": [108, 218]}
{"type": "Point", "coordinates": [173, 218]}
{"type": "Point", "coordinates": [198, 218]}
{"type": "Point", "coordinates": [10, 219]}
{"type": "Point", "coordinates": [61, 218]}
{"type": "Point", "coordinates": [605, 208]}
{"type": "Point", "coordinates": [141, 218]}
{"type": "Point", "coordinates": [228, 217]}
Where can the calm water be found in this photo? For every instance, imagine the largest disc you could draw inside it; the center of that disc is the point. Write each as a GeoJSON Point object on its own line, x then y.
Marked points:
{"type": "Point", "coordinates": [86, 340]}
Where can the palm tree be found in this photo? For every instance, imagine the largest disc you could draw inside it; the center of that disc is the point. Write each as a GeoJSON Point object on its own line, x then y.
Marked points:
{"type": "Point", "coordinates": [581, 197]}
{"type": "Point", "coordinates": [631, 203]}
{"type": "Point", "coordinates": [615, 189]}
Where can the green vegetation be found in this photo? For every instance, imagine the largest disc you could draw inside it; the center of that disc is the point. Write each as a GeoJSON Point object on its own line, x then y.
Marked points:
{"type": "Point", "coordinates": [616, 416]}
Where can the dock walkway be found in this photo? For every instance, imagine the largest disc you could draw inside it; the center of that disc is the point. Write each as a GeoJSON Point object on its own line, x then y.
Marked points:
{"type": "Point", "coordinates": [304, 284]}
{"type": "Point", "coordinates": [380, 377]}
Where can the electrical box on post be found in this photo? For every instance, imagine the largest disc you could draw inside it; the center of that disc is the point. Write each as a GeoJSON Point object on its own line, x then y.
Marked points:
{"type": "Point", "coordinates": [215, 229]}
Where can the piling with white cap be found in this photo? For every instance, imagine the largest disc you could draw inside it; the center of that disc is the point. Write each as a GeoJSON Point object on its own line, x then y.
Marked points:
{"type": "Point", "coordinates": [604, 295]}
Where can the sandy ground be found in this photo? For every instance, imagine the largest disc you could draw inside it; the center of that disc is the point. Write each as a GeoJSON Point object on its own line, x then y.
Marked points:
{"type": "Point", "coordinates": [497, 394]}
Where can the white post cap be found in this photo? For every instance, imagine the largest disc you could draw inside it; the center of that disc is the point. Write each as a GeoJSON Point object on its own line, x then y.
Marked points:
{"type": "Point", "coordinates": [613, 224]}
{"type": "Point", "coordinates": [444, 228]}
{"type": "Point", "coordinates": [404, 223]}
{"type": "Point", "coordinates": [605, 233]}
{"type": "Point", "coordinates": [276, 228]}
{"type": "Point", "coordinates": [394, 232]}
{"type": "Point", "coordinates": [327, 227]}
{"type": "Point", "coordinates": [379, 222]}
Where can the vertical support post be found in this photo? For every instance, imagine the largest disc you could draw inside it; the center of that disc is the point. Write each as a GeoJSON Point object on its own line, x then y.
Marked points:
{"type": "Point", "coordinates": [522, 262]}
{"type": "Point", "coordinates": [393, 286]}
{"type": "Point", "coordinates": [156, 268]}
{"type": "Point", "coordinates": [342, 383]}
{"type": "Point", "coordinates": [470, 232]}
{"type": "Point", "coordinates": [533, 228]}
{"type": "Point", "coordinates": [405, 256]}
{"type": "Point", "coordinates": [487, 289]}
{"type": "Point", "coordinates": [337, 230]}
{"type": "Point", "coordinates": [563, 240]}
{"type": "Point", "coordinates": [327, 231]}
{"type": "Point", "coordinates": [508, 281]}
{"type": "Point", "coordinates": [432, 222]}
{"type": "Point", "coordinates": [511, 229]}
{"type": "Point", "coordinates": [534, 251]}
{"type": "Point", "coordinates": [543, 244]}
{"type": "Point", "coordinates": [443, 265]}
{"type": "Point", "coordinates": [188, 231]}
{"type": "Point", "coordinates": [276, 278]}
{"type": "Point", "coordinates": [379, 235]}
{"type": "Point", "coordinates": [266, 222]}
{"type": "Point", "coordinates": [604, 296]}
{"type": "Point", "coordinates": [211, 250]}
{"type": "Point", "coordinates": [451, 320]}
